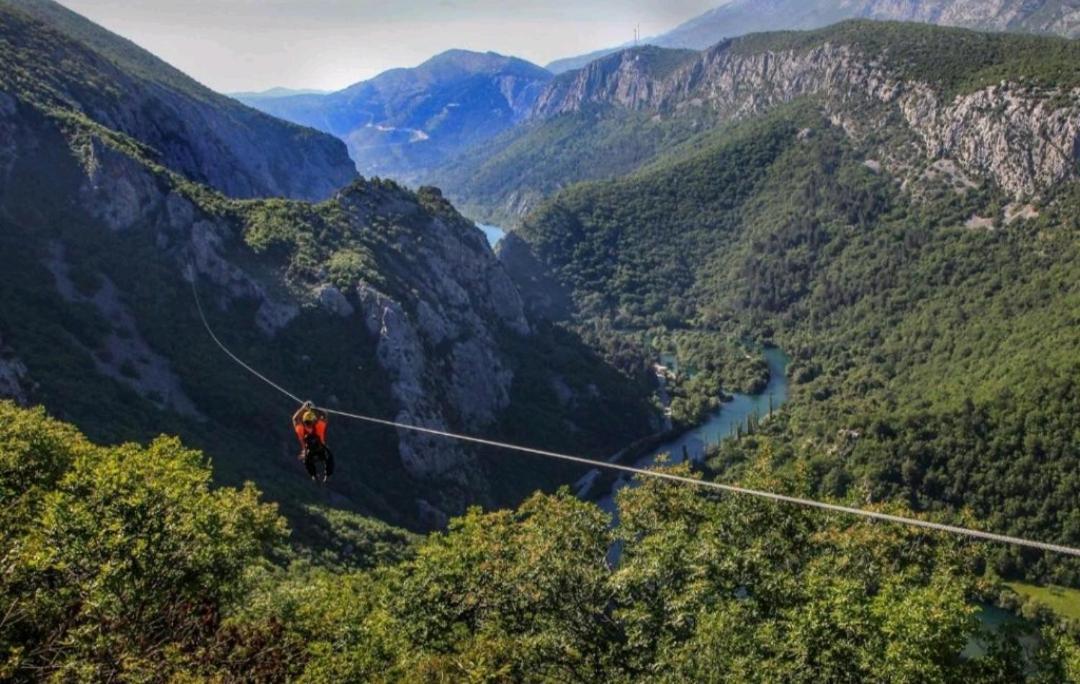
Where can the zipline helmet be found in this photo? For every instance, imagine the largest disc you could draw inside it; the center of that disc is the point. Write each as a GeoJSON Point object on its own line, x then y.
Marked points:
{"type": "Point", "coordinates": [309, 416]}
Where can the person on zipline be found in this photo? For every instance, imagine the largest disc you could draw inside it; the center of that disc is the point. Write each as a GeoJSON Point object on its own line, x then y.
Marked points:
{"type": "Point", "coordinates": [310, 426]}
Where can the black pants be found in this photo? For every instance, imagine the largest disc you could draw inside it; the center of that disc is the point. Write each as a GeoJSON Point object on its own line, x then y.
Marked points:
{"type": "Point", "coordinates": [313, 455]}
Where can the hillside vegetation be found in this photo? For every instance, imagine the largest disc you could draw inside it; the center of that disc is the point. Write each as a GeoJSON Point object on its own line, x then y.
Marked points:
{"type": "Point", "coordinates": [859, 200]}
{"type": "Point", "coordinates": [935, 359]}
{"type": "Point", "coordinates": [100, 236]}
{"type": "Point", "coordinates": [123, 564]}
{"type": "Point", "coordinates": [625, 111]}
{"type": "Point", "coordinates": [61, 60]}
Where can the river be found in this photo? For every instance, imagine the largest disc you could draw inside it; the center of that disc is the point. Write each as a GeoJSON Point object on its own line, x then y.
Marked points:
{"type": "Point", "coordinates": [734, 413]}
{"type": "Point", "coordinates": [993, 620]}
{"type": "Point", "coordinates": [720, 424]}
{"type": "Point", "coordinates": [493, 233]}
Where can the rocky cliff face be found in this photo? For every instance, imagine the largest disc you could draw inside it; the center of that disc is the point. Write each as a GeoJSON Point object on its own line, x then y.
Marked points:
{"type": "Point", "coordinates": [741, 17]}
{"type": "Point", "coordinates": [433, 303]}
{"type": "Point", "coordinates": [1021, 136]}
{"type": "Point", "coordinates": [624, 79]}
{"type": "Point", "coordinates": [437, 338]}
{"type": "Point", "coordinates": [440, 345]}
{"type": "Point", "coordinates": [77, 66]}
{"type": "Point", "coordinates": [14, 378]}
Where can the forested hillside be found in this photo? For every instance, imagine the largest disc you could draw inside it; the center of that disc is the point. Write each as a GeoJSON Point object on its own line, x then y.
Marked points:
{"type": "Point", "coordinates": [932, 323]}
{"type": "Point", "coordinates": [895, 206]}
{"type": "Point", "coordinates": [123, 564]}
{"type": "Point", "coordinates": [63, 60]}
{"type": "Point", "coordinates": [967, 96]}
{"type": "Point", "coordinates": [379, 300]}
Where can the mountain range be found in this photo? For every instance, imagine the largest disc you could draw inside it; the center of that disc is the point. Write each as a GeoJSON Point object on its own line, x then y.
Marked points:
{"type": "Point", "coordinates": [405, 121]}
{"type": "Point", "coordinates": [275, 92]}
{"type": "Point", "coordinates": [632, 107]}
{"type": "Point", "coordinates": [442, 332]}
{"type": "Point", "coordinates": [740, 17]}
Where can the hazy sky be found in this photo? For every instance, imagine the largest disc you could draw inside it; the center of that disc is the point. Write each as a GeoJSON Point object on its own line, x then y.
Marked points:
{"type": "Point", "coordinates": [233, 45]}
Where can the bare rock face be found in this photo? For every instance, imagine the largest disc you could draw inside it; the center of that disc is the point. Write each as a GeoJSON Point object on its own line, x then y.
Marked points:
{"type": "Point", "coordinates": [124, 355]}
{"type": "Point", "coordinates": [480, 384]}
{"type": "Point", "coordinates": [622, 79]}
{"type": "Point", "coordinates": [125, 195]}
{"type": "Point", "coordinates": [8, 149]}
{"type": "Point", "coordinates": [205, 252]}
{"type": "Point", "coordinates": [440, 346]}
{"type": "Point", "coordinates": [332, 299]}
{"type": "Point", "coordinates": [401, 353]}
{"type": "Point", "coordinates": [14, 378]}
{"type": "Point", "coordinates": [1022, 138]}
{"type": "Point", "coordinates": [118, 189]}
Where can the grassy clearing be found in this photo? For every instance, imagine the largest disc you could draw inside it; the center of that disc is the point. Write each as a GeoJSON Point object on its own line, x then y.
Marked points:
{"type": "Point", "coordinates": [1062, 600]}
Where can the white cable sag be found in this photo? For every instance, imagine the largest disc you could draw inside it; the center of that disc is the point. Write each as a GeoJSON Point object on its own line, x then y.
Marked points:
{"type": "Point", "coordinates": [705, 484]}
{"type": "Point", "coordinates": [234, 357]}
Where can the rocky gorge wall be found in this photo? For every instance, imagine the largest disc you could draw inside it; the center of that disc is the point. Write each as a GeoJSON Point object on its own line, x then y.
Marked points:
{"type": "Point", "coordinates": [437, 329]}
{"type": "Point", "coordinates": [1022, 137]}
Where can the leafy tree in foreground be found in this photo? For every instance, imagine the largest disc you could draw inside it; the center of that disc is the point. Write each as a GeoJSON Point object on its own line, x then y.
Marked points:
{"type": "Point", "coordinates": [121, 563]}
{"type": "Point", "coordinates": [118, 562]}
{"type": "Point", "coordinates": [728, 589]}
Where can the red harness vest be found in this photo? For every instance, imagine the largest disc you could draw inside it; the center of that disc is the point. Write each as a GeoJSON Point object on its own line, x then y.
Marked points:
{"type": "Point", "coordinates": [318, 431]}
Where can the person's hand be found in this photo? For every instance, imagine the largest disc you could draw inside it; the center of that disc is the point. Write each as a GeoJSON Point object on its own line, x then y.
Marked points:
{"type": "Point", "coordinates": [309, 404]}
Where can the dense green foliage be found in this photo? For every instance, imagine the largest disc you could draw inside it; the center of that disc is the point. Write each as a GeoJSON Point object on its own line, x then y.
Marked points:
{"type": "Point", "coordinates": [120, 560]}
{"type": "Point", "coordinates": [933, 362]}
{"type": "Point", "coordinates": [511, 174]}
{"type": "Point", "coordinates": [122, 564]}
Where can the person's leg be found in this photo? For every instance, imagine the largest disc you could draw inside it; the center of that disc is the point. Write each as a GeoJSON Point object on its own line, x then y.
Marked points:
{"type": "Point", "coordinates": [309, 462]}
{"type": "Point", "coordinates": [329, 456]}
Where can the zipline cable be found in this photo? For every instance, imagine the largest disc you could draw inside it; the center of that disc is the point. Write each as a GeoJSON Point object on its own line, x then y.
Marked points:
{"type": "Point", "coordinates": [705, 484]}
{"type": "Point", "coordinates": [234, 357]}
